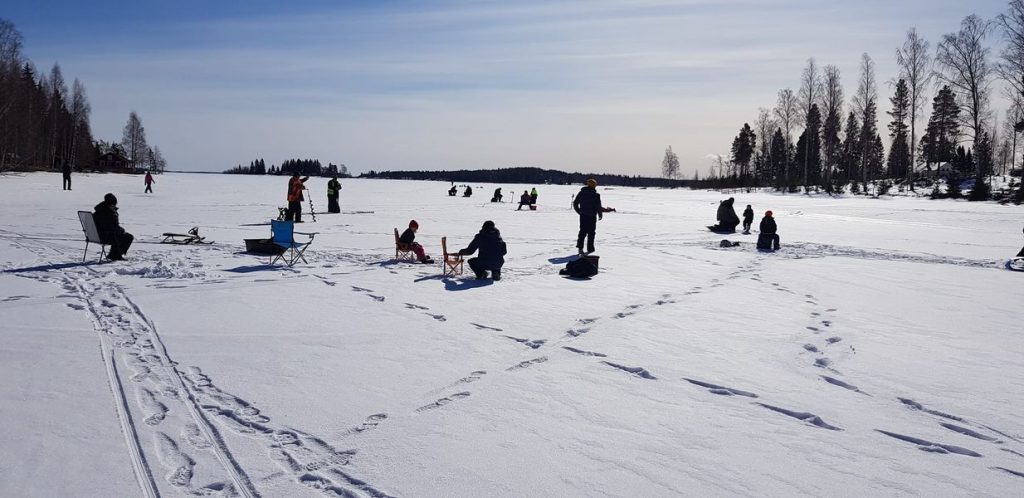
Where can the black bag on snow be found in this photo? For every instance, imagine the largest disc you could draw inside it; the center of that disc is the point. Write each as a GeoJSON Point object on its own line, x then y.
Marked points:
{"type": "Point", "coordinates": [579, 268]}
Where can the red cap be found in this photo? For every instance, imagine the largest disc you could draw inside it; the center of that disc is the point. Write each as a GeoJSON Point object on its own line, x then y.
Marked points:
{"type": "Point", "coordinates": [413, 224]}
{"type": "Point", "coordinates": [768, 213]}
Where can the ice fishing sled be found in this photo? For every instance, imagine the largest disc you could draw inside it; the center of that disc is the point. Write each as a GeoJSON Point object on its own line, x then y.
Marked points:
{"type": "Point", "coordinates": [1015, 264]}
{"type": "Point", "coordinates": [192, 237]}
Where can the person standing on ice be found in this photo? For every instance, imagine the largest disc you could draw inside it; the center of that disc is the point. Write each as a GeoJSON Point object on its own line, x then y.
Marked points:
{"type": "Point", "coordinates": [533, 196]}
{"type": "Point", "coordinates": [587, 204]}
{"type": "Point", "coordinates": [66, 173]}
{"type": "Point", "coordinates": [109, 226]}
{"type": "Point", "coordinates": [295, 187]}
{"type": "Point", "coordinates": [409, 237]}
{"type": "Point", "coordinates": [333, 188]}
{"type": "Point", "coordinates": [492, 252]}
{"type": "Point", "coordinates": [748, 219]}
{"type": "Point", "coordinates": [768, 239]}
{"type": "Point", "coordinates": [149, 183]}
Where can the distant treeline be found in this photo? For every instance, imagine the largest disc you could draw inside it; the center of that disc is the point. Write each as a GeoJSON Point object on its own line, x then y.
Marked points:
{"type": "Point", "coordinates": [530, 176]}
{"type": "Point", "coordinates": [304, 167]}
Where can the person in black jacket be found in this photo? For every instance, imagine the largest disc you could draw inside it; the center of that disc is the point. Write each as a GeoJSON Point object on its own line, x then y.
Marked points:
{"type": "Point", "coordinates": [109, 227]}
{"type": "Point", "coordinates": [748, 219]}
{"type": "Point", "coordinates": [409, 237]}
{"type": "Point", "coordinates": [727, 219]}
{"type": "Point", "coordinates": [492, 251]}
{"type": "Point", "coordinates": [524, 200]}
{"type": "Point", "coordinates": [66, 172]}
{"type": "Point", "coordinates": [587, 204]}
{"type": "Point", "coordinates": [768, 240]}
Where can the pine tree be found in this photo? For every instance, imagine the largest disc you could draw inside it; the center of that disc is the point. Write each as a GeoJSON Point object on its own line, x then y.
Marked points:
{"type": "Point", "coordinates": [983, 167]}
{"type": "Point", "coordinates": [849, 166]}
{"type": "Point", "coordinates": [743, 149]}
{"type": "Point", "coordinates": [938, 144]}
{"type": "Point", "coordinates": [778, 160]}
{"type": "Point", "coordinates": [899, 154]}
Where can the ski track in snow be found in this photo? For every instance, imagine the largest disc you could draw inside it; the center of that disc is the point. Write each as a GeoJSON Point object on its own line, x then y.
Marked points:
{"type": "Point", "coordinates": [183, 408]}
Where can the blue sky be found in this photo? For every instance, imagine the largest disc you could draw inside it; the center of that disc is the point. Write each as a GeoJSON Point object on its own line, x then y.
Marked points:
{"type": "Point", "coordinates": [579, 85]}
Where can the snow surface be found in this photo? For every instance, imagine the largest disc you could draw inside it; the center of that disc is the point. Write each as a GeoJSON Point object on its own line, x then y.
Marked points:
{"type": "Point", "coordinates": [879, 353]}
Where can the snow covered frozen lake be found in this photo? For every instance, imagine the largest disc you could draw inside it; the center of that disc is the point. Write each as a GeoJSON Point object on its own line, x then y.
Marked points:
{"type": "Point", "coordinates": [879, 353]}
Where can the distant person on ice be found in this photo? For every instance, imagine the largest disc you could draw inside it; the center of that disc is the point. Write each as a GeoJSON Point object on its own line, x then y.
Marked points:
{"type": "Point", "coordinates": [149, 183]}
{"type": "Point", "coordinates": [333, 188]}
{"type": "Point", "coordinates": [66, 173]}
{"type": "Point", "coordinates": [727, 219]}
{"type": "Point", "coordinates": [524, 200]}
{"type": "Point", "coordinates": [295, 187]}
{"type": "Point", "coordinates": [492, 252]}
{"type": "Point", "coordinates": [409, 237]}
{"type": "Point", "coordinates": [533, 196]}
{"type": "Point", "coordinates": [109, 227]}
{"type": "Point", "coordinates": [748, 219]}
{"type": "Point", "coordinates": [768, 240]}
{"type": "Point", "coordinates": [497, 195]}
{"type": "Point", "coordinates": [587, 204]}
{"type": "Point", "coordinates": [452, 191]}
{"type": "Point", "coordinates": [468, 192]}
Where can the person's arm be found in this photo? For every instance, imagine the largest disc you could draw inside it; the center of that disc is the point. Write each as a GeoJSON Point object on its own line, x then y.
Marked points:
{"type": "Point", "coordinates": [472, 246]}
{"type": "Point", "coordinates": [600, 209]}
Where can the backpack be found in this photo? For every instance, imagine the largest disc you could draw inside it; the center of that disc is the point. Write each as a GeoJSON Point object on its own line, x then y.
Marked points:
{"type": "Point", "coordinates": [579, 268]}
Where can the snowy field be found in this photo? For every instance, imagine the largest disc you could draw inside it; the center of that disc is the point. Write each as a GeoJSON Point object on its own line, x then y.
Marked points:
{"type": "Point", "coordinates": [879, 353]}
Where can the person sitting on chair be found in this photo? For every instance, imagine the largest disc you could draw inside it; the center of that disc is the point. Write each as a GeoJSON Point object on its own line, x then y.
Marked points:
{"type": "Point", "coordinates": [409, 236]}
{"type": "Point", "coordinates": [497, 195]}
{"type": "Point", "coordinates": [492, 251]}
{"type": "Point", "coordinates": [524, 200]}
{"type": "Point", "coordinates": [768, 240]}
{"type": "Point", "coordinates": [109, 227]}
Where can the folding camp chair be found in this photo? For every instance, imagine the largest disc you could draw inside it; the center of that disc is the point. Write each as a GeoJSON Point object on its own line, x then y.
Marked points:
{"type": "Point", "coordinates": [452, 264]}
{"type": "Point", "coordinates": [403, 252]}
{"type": "Point", "coordinates": [283, 236]}
{"type": "Point", "coordinates": [91, 233]}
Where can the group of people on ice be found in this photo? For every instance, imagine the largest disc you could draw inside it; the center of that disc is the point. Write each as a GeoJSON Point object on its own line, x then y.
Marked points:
{"type": "Point", "coordinates": [767, 239]}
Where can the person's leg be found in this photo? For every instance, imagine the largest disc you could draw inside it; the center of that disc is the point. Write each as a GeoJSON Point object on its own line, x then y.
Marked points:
{"type": "Point", "coordinates": [289, 214]}
{"type": "Point", "coordinates": [125, 241]}
{"type": "Point", "coordinates": [588, 225]}
{"type": "Point", "coordinates": [474, 264]}
{"type": "Point", "coordinates": [418, 249]}
{"type": "Point", "coordinates": [496, 274]}
{"type": "Point", "coordinates": [775, 241]}
{"type": "Point", "coordinates": [296, 208]}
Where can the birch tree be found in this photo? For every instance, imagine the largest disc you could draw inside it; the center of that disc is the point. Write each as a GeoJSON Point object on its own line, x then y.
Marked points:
{"type": "Point", "coordinates": [915, 69]}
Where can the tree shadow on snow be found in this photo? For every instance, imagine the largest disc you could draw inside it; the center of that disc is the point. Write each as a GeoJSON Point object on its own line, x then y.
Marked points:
{"type": "Point", "coordinates": [59, 266]}
{"type": "Point", "coordinates": [451, 284]}
{"type": "Point", "coordinates": [255, 268]}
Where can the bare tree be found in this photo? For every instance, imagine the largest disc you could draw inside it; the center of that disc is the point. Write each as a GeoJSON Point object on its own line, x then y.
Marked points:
{"type": "Point", "coordinates": [864, 105]}
{"type": "Point", "coordinates": [80, 110]}
{"type": "Point", "coordinates": [670, 164]}
{"type": "Point", "coordinates": [765, 125]}
{"type": "Point", "coordinates": [810, 94]}
{"type": "Point", "coordinates": [962, 59]}
{"type": "Point", "coordinates": [788, 113]}
{"type": "Point", "coordinates": [915, 69]}
{"type": "Point", "coordinates": [133, 140]}
{"type": "Point", "coordinates": [832, 102]}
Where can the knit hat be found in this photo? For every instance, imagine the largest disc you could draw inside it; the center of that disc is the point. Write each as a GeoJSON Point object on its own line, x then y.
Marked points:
{"type": "Point", "coordinates": [591, 183]}
{"type": "Point", "coordinates": [413, 224]}
{"type": "Point", "coordinates": [768, 213]}
{"type": "Point", "coordinates": [110, 199]}
{"type": "Point", "coordinates": [488, 225]}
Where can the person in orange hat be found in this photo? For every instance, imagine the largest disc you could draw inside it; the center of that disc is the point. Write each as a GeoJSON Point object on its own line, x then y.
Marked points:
{"type": "Point", "coordinates": [768, 240]}
{"type": "Point", "coordinates": [409, 237]}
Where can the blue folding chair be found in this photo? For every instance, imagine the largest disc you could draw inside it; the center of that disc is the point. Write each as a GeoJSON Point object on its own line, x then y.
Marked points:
{"type": "Point", "coordinates": [283, 236]}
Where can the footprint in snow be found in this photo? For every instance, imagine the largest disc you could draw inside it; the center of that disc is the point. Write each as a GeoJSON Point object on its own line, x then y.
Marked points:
{"type": "Point", "coordinates": [722, 390]}
{"type": "Point", "coordinates": [931, 447]}
{"type": "Point", "coordinates": [527, 363]}
{"type": "Point", "coordinates": [415, 306]}
{"type": "Point", "coordinates": [485, 327]}
{"type": "Point", "coordinates": [443, 401]}
{"type": "Point", "coordinates": [833, 339]}
{"type": "Point", "coordinates": [584, 353]}
{"type": "Point", "coordinates": [807, 417]}
{"type": "Point", "coordinates": [637, 371]}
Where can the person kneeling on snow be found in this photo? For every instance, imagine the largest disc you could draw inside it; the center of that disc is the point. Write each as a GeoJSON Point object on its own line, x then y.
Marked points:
{"type": "Point", "coordinates": [727, 219]}
{"type": "Point", "coordinates": [768, 240]}
{"type": "Point", "coordinates": [109, 227]}
{"type": "Point", "coordinates": [409, 236]}
{"type": "Point", "coordinates": [492, 251]}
